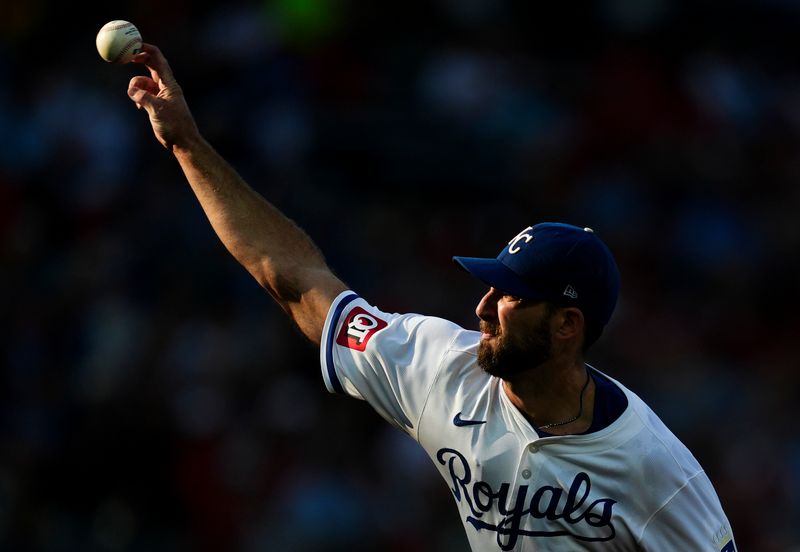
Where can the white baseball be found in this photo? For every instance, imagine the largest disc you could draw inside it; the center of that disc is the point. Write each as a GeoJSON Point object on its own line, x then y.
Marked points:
{"type": "Point", "coordinates": [118, 41]}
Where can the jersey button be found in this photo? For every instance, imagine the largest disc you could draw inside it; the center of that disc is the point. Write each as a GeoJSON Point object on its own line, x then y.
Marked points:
{"type": "Point", "coordinates": [526, 474]}
{"type": "Point", "coordinates": [533, 447]}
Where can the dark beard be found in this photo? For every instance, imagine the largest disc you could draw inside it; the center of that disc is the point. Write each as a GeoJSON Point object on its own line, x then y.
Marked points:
{"type": "Point", "coordinates": [511, 357]}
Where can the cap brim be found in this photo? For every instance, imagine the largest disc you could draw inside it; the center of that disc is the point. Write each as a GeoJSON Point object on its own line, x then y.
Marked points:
{"type": "Point", "coordinates": [495, 274]}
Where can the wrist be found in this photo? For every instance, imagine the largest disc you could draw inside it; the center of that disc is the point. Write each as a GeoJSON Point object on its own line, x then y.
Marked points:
{"type": "Point", "coordinates": [188, 144]}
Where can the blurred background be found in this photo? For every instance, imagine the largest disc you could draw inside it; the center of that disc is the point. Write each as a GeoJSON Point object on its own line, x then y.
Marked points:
{"type": "Point", "coordinates": [154, 398]}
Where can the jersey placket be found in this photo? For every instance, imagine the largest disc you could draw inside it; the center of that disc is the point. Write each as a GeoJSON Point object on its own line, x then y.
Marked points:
{"type": "Point", "coordinates": [530, 464]}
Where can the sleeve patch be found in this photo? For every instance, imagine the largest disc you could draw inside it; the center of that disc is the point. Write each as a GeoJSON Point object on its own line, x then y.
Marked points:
{"type": "Point", "coordinates": [729, 547]}
{"type": "Point", "coordinates": [358, 329]}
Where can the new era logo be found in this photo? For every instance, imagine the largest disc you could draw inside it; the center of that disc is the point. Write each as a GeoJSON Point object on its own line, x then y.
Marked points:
{"type": "Point", "coordinates": [571, 293]}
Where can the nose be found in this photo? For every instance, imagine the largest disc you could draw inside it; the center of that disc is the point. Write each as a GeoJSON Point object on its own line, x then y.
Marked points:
{"type": "Point", "coordinates": [487, 307]}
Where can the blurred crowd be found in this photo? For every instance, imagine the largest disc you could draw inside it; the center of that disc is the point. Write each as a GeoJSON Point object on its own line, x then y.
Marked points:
{"type": "Point", "coordinates": [153, 396]}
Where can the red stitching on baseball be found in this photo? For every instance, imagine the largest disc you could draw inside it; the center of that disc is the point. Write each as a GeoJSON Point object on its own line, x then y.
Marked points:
{"type": "Point", "coordinates": [124, 50]}
{"type": "Point", "coordinates": [119, 26]}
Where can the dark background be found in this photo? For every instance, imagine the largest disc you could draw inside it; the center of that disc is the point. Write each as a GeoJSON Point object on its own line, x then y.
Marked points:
{"type": "Point", "coordinates": [154, 398]}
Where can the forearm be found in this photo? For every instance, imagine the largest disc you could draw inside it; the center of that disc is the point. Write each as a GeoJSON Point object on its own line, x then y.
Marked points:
{"type": "Point", "coordinates": [279, 255]}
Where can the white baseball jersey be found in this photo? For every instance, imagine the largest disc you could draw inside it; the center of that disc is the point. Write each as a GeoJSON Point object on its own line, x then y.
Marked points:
{"type": "Point", "coordinates": [630, 486]}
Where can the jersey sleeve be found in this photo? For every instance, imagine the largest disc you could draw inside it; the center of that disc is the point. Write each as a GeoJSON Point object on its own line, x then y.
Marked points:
{"type": "Point", "coordinates": [691, 520]}
{"type": "Point", "coordinates": [389, 360]}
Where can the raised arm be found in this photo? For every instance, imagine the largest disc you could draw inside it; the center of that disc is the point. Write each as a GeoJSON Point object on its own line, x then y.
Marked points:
{"type": "Point", "coordinates": [279, 255]}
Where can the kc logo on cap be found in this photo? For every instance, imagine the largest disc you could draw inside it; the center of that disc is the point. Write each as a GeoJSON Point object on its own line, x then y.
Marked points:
{"type": "Point", "coordinates": [512, 245]}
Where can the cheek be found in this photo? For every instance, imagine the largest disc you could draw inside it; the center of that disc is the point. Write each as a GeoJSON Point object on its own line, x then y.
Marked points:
{"type": "Point", "coordinates": [505, 317]}
{"type": "Point", "coordinates": [517, 330]}
{"type": "Point", "coordinates": [510, 322]}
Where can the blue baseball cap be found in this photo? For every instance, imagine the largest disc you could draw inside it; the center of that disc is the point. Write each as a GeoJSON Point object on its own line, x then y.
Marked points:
{"type": "Point", "coordinates": [552, 261]}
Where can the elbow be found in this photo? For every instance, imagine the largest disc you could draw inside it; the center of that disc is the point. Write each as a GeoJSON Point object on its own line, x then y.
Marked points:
{"type": "Point", "coordinates": [284, 288]}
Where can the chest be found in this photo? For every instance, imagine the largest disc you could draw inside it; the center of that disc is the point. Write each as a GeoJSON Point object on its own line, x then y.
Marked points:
{"type": "Point", "coordinates": [514, 489]}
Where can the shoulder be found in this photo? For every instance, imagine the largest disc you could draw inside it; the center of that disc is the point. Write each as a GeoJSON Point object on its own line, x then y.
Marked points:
{"type": "Point", "coordinates": [662, 453]}
{"type": "Point", "coordinates": [356, 324]}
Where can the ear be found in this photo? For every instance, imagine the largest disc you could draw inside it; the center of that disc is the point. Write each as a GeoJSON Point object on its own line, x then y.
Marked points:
{"type": "Point", "coordinates": [570, 323]}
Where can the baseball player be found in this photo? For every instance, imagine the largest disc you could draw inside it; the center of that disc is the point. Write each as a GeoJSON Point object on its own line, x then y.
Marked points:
{"type": "Point", "coordinates": [540, 450]}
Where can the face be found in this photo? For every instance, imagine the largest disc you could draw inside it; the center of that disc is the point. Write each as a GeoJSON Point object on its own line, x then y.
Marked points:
{"type": "Point", "coordinates": [515, 334]}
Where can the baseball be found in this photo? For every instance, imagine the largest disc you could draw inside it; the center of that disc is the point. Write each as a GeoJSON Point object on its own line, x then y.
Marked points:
{"type": "Point", "coordinates": [118, 41]}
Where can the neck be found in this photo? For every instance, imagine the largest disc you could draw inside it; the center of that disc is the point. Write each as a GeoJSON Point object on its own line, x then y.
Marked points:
{"type": "Point", "coordinates": [551, 394]}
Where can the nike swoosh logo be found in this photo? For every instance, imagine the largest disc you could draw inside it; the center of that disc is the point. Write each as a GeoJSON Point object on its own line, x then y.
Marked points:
{"type": "Point", "coordinates": [461, 423]}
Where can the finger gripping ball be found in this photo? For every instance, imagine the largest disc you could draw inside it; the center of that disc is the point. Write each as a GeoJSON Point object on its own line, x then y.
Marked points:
{"type": "Point", "coordinates": [118, 41]}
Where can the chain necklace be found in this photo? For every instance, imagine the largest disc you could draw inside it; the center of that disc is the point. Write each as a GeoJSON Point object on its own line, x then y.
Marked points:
{"type": "Point", "coordinates": [580, 410]}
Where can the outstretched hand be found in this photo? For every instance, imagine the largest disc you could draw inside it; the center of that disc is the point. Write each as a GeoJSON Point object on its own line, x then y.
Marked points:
{"type": "Point", "coordinates": [162, 98]}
